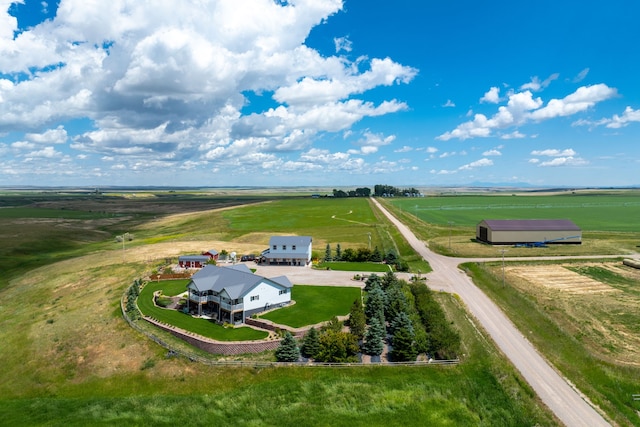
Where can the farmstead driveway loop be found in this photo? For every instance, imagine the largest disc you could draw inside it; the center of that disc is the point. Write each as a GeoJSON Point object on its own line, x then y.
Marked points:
{"type": "Point", "coordinates": [566, 402]}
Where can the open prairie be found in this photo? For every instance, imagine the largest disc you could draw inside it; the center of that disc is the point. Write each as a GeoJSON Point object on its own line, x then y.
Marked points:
{"type": "Point", "coordinates": [69, 358]}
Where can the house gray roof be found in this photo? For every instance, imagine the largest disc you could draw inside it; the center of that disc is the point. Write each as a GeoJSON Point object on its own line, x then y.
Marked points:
{"type": "Point", "coordinates": [211, 251]}
{"type": "Point", "coordinates": [290, 240]}
{"type": "Point", "coordinates": [531, 224]}
{"type": "Point", "coordinates": [236, 280]}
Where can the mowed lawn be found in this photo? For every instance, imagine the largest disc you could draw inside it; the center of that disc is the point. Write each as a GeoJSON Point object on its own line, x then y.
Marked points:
{"type": "Point", "coordinates": [315, 304]}
{"type": "Point", "coordinates": [203, 327]}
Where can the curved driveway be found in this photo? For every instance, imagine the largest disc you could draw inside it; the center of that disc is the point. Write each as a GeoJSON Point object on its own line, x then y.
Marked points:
{"type": "Point", "coordinates": [551, 387]}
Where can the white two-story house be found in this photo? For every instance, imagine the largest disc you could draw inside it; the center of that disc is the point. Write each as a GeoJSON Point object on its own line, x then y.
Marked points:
{"type": "Point", "coordinates": [231, 294]}
{"type": "Point", "coordinates": [288, 250]}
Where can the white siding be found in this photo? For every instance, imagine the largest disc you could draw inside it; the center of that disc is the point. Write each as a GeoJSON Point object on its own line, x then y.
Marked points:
{"type": "Point", "coordinates": [268, 294]}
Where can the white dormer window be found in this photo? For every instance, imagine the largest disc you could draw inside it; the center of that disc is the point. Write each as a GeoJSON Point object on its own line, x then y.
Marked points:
{"type": "Point", "coordinates": [293, 248]}
{"type": "Point", "coordinates": [284, 247]}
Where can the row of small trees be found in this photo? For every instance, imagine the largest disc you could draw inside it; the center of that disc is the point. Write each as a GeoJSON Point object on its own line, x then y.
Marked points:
{"type": "Point", "coordinates": [363, 255]}
{"type": "Point", "coordinates": [402, 314]}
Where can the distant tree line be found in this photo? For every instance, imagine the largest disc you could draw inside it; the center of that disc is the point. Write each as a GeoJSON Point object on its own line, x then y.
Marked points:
{"type": "Point", "coordinates": [358, 192]}
{"type": "Point", "coordinates": [402, 314]}
{"type": "Point", "coordinates": [380, 190]}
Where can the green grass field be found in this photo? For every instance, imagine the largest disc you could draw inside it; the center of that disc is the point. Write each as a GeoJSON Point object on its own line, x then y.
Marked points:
{"type": "Point", "coordinates": [594, 212]}
{"type": "Point", "coordinates": [315, 304]}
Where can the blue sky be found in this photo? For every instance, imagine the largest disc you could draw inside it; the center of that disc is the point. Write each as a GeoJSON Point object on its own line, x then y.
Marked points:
{"type": "Point", "coordinates": [319, 92]}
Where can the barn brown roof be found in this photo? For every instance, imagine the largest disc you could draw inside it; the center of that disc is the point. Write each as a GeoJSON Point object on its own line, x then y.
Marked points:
{"type": "Point", "coordinates": [531, 224]}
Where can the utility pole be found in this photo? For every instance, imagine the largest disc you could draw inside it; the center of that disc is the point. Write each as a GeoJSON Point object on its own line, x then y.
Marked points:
{"type": "Point", "coordinates": [503, 251]}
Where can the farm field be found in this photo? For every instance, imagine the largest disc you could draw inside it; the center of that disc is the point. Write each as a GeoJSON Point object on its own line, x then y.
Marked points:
{"type": "Point", "coordinates": [584, 316]}
{"type": "Point", "coordinates": [69, 358]}
{"type": "Point", "coordinates": [608, 221]}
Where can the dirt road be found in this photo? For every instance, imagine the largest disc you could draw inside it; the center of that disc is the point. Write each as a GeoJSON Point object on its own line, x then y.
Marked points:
{"type": "Point", "coordinates": [553, 389]}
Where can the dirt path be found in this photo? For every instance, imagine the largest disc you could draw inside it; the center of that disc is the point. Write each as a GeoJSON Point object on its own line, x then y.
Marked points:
{"type": "Point", "coordinates": [554, 390]}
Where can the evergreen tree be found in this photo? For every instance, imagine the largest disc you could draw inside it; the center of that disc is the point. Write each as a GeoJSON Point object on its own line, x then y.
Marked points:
{"type": "Point", "coordinates": [374, 307]}
{"type": "Point", "coordinates": [391, 258]}
{"type": "Point", "coordinates": [388, 280]}
{"type": "Point", "coordinates": [396, 301]}
{"type": "Point", "coordinates": [401, 321]}
{"type": "Point", "coordinates": [338, 256]}
{"type": "Point", "coordinates": [404, 349]}
{"type": "Point", "coordinates": [288, 350]}
{"type": "Point", "coordinates": [371, 280]}
{"type": "Point", "coordinates": [357, 319]}
{"type": "Point", "coordinates": [374, 338]}
{"type": "Point", "coordinates": [376, 256]}
{"type": "Point", "coordinates": [327, 253]}
{"type": "Point", "coordinates": [310, 343]}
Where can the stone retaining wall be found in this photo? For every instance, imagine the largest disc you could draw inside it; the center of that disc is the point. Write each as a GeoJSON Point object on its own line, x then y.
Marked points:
{"type": "Point", "coordinates": [217, 347]}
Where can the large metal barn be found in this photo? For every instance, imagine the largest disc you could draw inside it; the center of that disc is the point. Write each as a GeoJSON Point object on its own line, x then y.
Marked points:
{"type": "Point", "coordinates": [528, 232]}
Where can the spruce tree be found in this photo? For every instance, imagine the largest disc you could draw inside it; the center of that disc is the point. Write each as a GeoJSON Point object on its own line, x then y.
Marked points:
{"type": "Point", "coordinates": [400, 321]}
{"type": "Point", "coordinates": [376, 256]}
{"type": "Point", "coordinates": [374, 338]}
{"type": "Point", "coordinates": [374, 307]}
{"type": "Point", "coordinates": [371, 280]}
{"type": "Point", "coordinates": [338, 256]}
{"type": "Point", "coordinates": [288, 350]}
{"type": "Point", "coordinates": [310, 343]}
{"type": "Point", "coordinates": [357, 319]}
{"type": "Point", "coordinates": [327, 253]}
{"type": "Point", "coordinates": [404, 349]}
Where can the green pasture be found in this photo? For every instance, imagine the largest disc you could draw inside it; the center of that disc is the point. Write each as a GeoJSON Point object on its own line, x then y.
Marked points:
{"type": "Point", "coordinates": [597, 212]}
{"type": "Point", "coordinates": [203, 327]}
{"type": "Point", "coordinates": [348, 220]}
{"type": "Point", "coordinates": [27, 212]}
{"type": "Point", "coordinates": [373, 267]}
{"type": "Point", "coordinates": [483, 390]}
{"type": "Point", "coordinates": [315, 304]}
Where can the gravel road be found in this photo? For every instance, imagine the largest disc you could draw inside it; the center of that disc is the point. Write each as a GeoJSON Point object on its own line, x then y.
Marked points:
{"type": "Point", "coordinates": [553, 389]}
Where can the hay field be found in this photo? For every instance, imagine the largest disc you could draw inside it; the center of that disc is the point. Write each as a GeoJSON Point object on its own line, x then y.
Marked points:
{"type": "Point", "coordinates": [604, 317]}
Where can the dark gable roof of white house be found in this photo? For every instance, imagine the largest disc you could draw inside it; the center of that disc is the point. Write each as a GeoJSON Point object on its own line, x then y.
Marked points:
{"type": "Point", "coordinates": [531, 225]}
{"type": "Point", "coordinates": [236, 280]}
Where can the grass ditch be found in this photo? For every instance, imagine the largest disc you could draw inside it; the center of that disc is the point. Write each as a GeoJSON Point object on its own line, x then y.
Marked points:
{"type": "Point", "coordinates": [609, 385]}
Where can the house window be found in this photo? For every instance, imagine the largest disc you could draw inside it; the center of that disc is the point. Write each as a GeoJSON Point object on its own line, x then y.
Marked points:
{"type": "Point", "coordinates": [275, 247]}
{"type": "Point", "coordinates": [284, 247]}
{"type": "Point", "coordinates": [293, 247]}
{"type": "Point", "coordinates": [255, 297]}
{"type": "Point", "coordinates": [283, 291]}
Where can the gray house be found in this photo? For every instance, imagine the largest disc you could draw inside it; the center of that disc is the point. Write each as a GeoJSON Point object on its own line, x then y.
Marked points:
{"type": "Point", "coordinates": [528, 231]}
{"type": "Point", "coordinates": [230, 294]}
{"type": "Point", "coordinates": [288, 250]}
